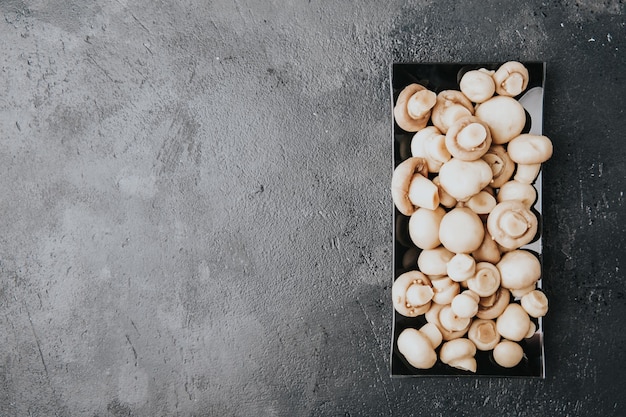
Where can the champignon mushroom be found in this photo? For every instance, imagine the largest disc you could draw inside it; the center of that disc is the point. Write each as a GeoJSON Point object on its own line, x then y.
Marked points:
{"type": "Point", "coordinates": [430, 144]}
{"type": "Point", "coordinates": [444, 290]}
{"type": "Point", "coordinates": [518, 269]}
{"type": "Point", "coordinates": [535, 303]}
{"type": "Point", "coordinates": [468, 138]}
{"type": "Point", "coordinates": [530, 149]}
{"type": "Point", "coordinates": [461, 267]}
{"type": "Point", "coordinates": [513, 323]}
{"type": "Point", "coordinates": [418, 346]}
{"type": "Point", "coordinates": [445, 199]}
{"type": "Point", "coordinates": [465, 304]}
{"type": "Point", "coordinates": [502, 166]}
{"type": "Point", "coordinates": [527, 173]}
{"type": "Point", "coordinates": [434, 261]}
{"type": "Point", "coordinates": [486, 280]}
{"type": "Point", "coordinates": [508, 354]}
{"type": "Point", "coordinates": [492, 306]}
{"type": "Point", "coordinates": [463, 179]}
{"type": "Point", "coordinates": [505, 117]}
{"type": "Point", "coordinates": [512, 224]}
{"type": "Point", "coordinates": [461, 230]}
{"type": "Point", "coordinates": [478, 85]}
{"type": "Point", "coordinates": [511, 78]}
{"type": "Point", "coordinates": [451, 321]}
{"type": "Point", "coordinates": [424, 227]}
{"type": "Point", "coordinates": [432, 316]}
{"type": "Point", "coordinates": [451, 106]}
{"type": "Point", "coordinates": [411, 188]}
{"type": "Point", "coordinates": [482, 203]}
{"type": "Point", "coordinates": [515, 190]}
{"type": "Point", "coordinates": [520, 292]}
{"type": "Point", "coordinates": [483, 334]}
{"type": "Point", "coordinates": [413, 107]}
{"type": "Point", "coordinates": [488, 250]}
{"type": "Point", "coordinates": [411, 293]}
{"type": "Point", "coordinates": [459, 353]}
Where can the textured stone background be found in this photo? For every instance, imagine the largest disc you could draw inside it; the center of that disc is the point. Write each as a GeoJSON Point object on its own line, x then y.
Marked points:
{"type": "Point", "coordinates": [196, 218]}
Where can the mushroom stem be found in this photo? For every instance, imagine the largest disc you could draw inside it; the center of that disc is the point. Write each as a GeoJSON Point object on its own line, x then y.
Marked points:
{"type": "Point", "coordinates": [423, 193]}
{"type": "Point", "coordinates": [472, 136]}
{"type": "Point", "coordinates": [526, 173]}
{"type": "Point", "coordinates": [418, 294]}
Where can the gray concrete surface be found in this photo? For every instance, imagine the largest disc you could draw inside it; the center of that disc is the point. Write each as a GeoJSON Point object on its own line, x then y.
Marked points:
{"type": "Point", "coordinates": [196, 218]}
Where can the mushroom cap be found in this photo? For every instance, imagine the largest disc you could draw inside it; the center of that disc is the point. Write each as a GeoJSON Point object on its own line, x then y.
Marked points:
{"type": "Point", "coordinates": [492, 306]}
{"type": "Point", "coordinates": [465, 305]}
{"type": "Point", "coordinates": [459, 353]}
{"type": "Point", "coordinates": [478, 85]}
{"type": "Point", "coordinates": [512, 224]}
{"type": "Point", "coordinates": [505, 117]}
{"type": "Point", "coordinates": [433, 316]}
{"type": "Point", "coordinates": [468, 138]}
{"type": "Point", "coordinates": [482, 203]}
{"type": "Point", "coordinates": [511, 79]}
{"type": "Point", "coordinates": [483, 334]}
{"type": "Point", "coordinates": [424, 227]}
{"type": "Point", "coordinates": [416, 349]}
{"type": "Point", "coordinates": [412, 293]}
{"type": "Point", "coordinates": [430, 144]}
{"type": "Point", "coordinates": [502, 166]}
{"type": "Point", "coordinates": [434, 261]}
{"type": "Point", "coordinates": [508, 354]}
{"type": "Point", "coordinates": [518, 269]}
{"type": "Point", "coordinates": [451, 321]}
{"type": "Point", "coordinates": [412, 97]}
{"type": "Point", "coordinates": [535, 303]}
{"type": "Point", "coordinates": [401, 182]}
{"type": "Point", "coordinates": [461, 267]}
{"type": "Point", "coordinates": [530, 149]}
{"type": "Point", "coordinates": [486, 280]}
{"type": "Point", "coordinates": [513, 323]}
{"type": "Point", "coordinates": [488, 250]}
{"type": "Point", "coordinates": [461, 230]}
{"type": "Point", "coordinates": [451, 106]}
{"type": "Point", "coordinates": [445, 289]}
{"type": "Point", "coordinates": [463, 179]}
{"type": "Point", "coordinates": [515, 190]}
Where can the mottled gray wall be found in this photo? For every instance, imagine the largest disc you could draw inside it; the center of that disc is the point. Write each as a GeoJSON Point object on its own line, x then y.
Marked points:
{"type": "Point", "coordinates": [196, 217]}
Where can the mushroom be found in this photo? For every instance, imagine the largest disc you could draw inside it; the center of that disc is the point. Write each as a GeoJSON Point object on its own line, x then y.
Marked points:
{"type": "Point", "coordinates": [451, 106]}
{"type": "Point", "coordinates": [513, 323]}
{"type": "Point", "coordinates": [461, 230]}
{"type": "Point", "coordinates": [465, 305]}
{"type": "Point", "coordinates": [424, 227]}
{"type": "Point", "coordinates": [528, 149]}
{"type": "Point", "coordinates": [411, 293]}
{"type": "Point", "coordinates": [410, 187]}
{"type": "Point", "coordinates": [531, 330]}
{"type": "Point", "coordinates": [434, 261]}
{"type": "Point", "coordinates": [520, 292]}
{"type": "Point", "coordinates": [501, 164]}
{"type": "Point", "coordinates": [483, 334]}
{"type": "Point", "coordinates": [492, 306]}
{"type": "Point", "coordinates": [478, 85]}
{"type": "Point", "coordinates": [515, 190]}
{"type": "Point", "coordinates": [527, 173]}
{"type": "Point", "coordinates": [451, 321]}
{"type": "Point", "coordinates": [488, 250]}
{"type": "Point", "coordinates": [430, 144]}
{"type": "Point", "coordinates": [468, 138]}
{"type": "Point", "coordinates": [459, 353]}
{"type": "Point", "coordinates": [445, 199]}
{"type": "Point", "coordinates": [486, 280]}
{"type": "Point", "coordinates": [482, 203]}
{"type": "Point", "coordinates": [445, 289]}
{"type": "Point", "coordinates": [511, 78]}
{"type": "Point", "coordinates": [535, 303]}
{"type": "Point", "coordinates": [433, 316]}
{"type": "Point", "coordinates": [505, 117]}
{"type": "Point", "coordinates": [461, 267]}
{"type": "Point", "coordinates": [418, 346]}
{"type": "Point", "coordinates": [508, 354]}
{"type": "Point", "coordinates": [512, 224]}
{"type": "Point", "coordinates": [518, 269]}
{"type": "Point", "coordinates": [463, 179]}
{"type": "Point", "coordinates": [413, 107]}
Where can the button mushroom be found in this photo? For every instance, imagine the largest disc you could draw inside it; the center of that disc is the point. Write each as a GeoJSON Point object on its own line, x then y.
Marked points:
{"type": "Point", "coordinates": [465, 305]}
{"type": "Point", "coordinates": [411, 188]}
{"type": "Point", "coordinates": [488, 250]}
{"type": "Point", "coordinates": [535, 303]}
{"type": "Point", "coordinates": [412, 293]}
{"type": "Point", "coordinates": [445, 199]}
{"type": "Point", "coordinates": [483, 334]}
{"type": "Point", "coordinates": [461, 230]}
{"type": "Point", "coordinates": [529, 152]}
{"type": "Point", "coordinates": [413, 107]}
{"type": "Point", "coordinates": [451, 106]}
{"type": "Point", "coordinates": [430, 144]}
{"type": "Point", "coordinates": [459, 353]}
{"type": "Point", "coordinates": [501, 164]}
{"type": "Point", "coordinates": [482, 203]}
{"type": "Point", "coordinates": [515, 190]}
{"type": "Point", "coordinates": [434, 261]}
{"type": "Point", "coordinates": [511, 78]}
{"type": "Point", "coordinates": [486, 280]}
{"type": "Point", "coordinates": [444, 290]}
{"type": "Point", "coordinates": [508, 354]}
{"type": "Point", "coordinates": [518, 269]}
{"type": "Point", "coordinates": [492, 306]}
{"type": "Point", "coordinates": [512, 224]}
{"type": "Point", "coordinates": [463, 179]}
{"type": "Point", "coordinates": [513, 323]}
{"type": "Point", "coordinates": [468, 138]}
{"type": "Point", "coordinates": [424, 227]}
{"type": "Point", "coordinates": [461, 267]}
{"type": "Point", "coordinates": [478, 85]}
{"type": "Point", "coordinates": [418, 346]}
{"type": "Point", "coordinates": [433, 316]}
{"type": "Point", "coordinates": [505, 117]}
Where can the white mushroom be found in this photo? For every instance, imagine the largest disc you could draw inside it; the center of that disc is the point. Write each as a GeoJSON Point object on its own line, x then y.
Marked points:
{"type": "Point", "coordinates": [535, 303]}
{"type": "Point", "coordinates": [486, 280]}
{"type": "Point", "coordinates": [511, 78]}
{"type": "Point", "coordinates": [530, 149]}
{"type": "Point", "coordinates": [413, 107]}
{"type": "Point", "coordinates": [502, 166]}
{"type": "Point", "coordinates": [512, 224]}
{"type": "Point", "coordinates": [513, 323]}
{"type": "Point", "coordinates": [418, 346]}
{"type": "Point", "coordinates": [434, 261]}
{"type": "Point", "coordinates": [465, 305]}
{"type": "Point", "coordinates": [482, 203]}
{"type": "Point", "coordinates": [430, 144]}
{"type": "Point", "coordinates": [459, 353]}
{"type": "Point", "coordinates": [508, 354]}
{"type": "Point", "coordinates": [461, 267]}
{"type": "Point", "coordinates": [461, 230]}
{"type": "Point", "coordinates": [451, 321]}
{"type": "Point", "coordinates": [444, 290]}
{"type": "Point", "coordinates": [492, 306]}
{"type": "Point", "coordinates": [488, 250]}
{"type": "Point", "coordinates": [519, 269]}
{"type": "Point", "coordinates": [432, 316]}
{"type": "Point", "coordinates": [463, 179]}
{"type": "Point", "coordinates": [451, 106]}
{"type": "Point", "coordinates": [424, 227]}
{"type": "Point", "coordinates": [445, 199]}
{"type": "Point", "coordinates": [412, 293]}
{"type": "Point", "coordinates": [515, 190]}
{"type": "Point", "coordinates": [505, 117]}
{"type": "Point", "coordinates": [410, 187]}
{"type": "Point", "coordinates": [527, 173]}
{"type": "Point", "coordinates": [468, 138]}
{"type": "Point", "coordinates": [478, 85]}
{"type": "Point", "coordinates": [483, 334]}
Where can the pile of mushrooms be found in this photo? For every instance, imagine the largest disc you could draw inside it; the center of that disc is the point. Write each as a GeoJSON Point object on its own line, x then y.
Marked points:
{"type": "Point", "coordinates": [468, 191]}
